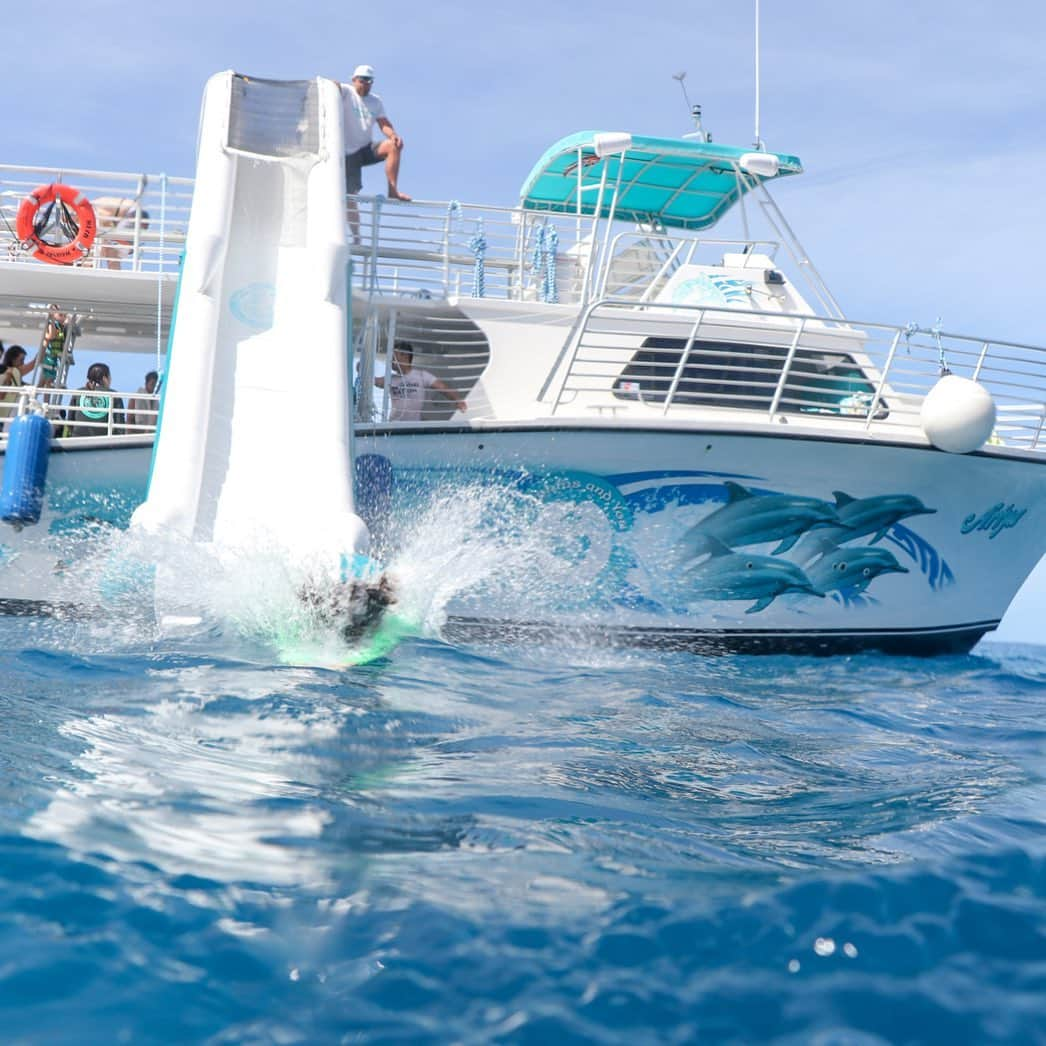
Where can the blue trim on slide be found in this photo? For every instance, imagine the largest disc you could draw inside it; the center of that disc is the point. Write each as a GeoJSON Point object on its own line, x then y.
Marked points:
{"type": "Point", "coordinates": [163, 388]}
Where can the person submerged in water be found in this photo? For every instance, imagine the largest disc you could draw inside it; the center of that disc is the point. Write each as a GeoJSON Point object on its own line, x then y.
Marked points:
{"type": "Point", "coordinates": [353, 608]}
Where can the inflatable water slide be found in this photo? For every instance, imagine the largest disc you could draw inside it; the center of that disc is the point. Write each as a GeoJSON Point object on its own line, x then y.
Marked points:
{"type": "Point", "coordinates": [255, 437]}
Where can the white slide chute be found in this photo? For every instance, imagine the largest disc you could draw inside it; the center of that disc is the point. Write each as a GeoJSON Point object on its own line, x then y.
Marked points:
{"type": "Point", "coordinates": [255, 437]}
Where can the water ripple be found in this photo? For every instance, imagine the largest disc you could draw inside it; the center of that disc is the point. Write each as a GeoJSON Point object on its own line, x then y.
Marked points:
{"type": "Point", "coordinates": [514, 844]}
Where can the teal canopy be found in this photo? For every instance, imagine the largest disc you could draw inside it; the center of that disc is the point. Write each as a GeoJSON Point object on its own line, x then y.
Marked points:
{"type": "Point", "coordinates": [677, 182]}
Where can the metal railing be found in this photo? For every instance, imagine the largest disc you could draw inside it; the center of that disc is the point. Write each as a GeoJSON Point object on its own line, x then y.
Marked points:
{"type": "Point", "coordinates": [420, 249]}
{"type": "Point", "coordinates": [427, 249]}
{"type": "Point", "coordinates": [639, 263]}
{"type": "Point", "coordinates": [445, 343]}
{"type": "Point", "coordinates": [148, 239]}
{"type": "Point", "coordinates": [76, 413]}
{"type": "Point", "coordinates": [677, 358]}
{"type": "Point", "coordinates": [626, 351]}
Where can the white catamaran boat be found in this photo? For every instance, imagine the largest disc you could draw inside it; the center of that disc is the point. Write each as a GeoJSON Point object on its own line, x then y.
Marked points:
{"type": "Point", "coordinates": [720, 459]}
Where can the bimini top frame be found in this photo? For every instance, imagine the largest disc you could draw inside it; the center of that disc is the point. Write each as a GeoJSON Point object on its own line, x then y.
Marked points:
{"type": "Point", "coordinates": [660, 182]}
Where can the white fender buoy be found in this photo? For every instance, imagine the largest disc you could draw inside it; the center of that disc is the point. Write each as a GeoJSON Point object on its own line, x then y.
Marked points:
{"type": "Point", "coordinates": [958, 415]}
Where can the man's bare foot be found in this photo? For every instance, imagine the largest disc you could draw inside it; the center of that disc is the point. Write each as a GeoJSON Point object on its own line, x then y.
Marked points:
{"type": "Point", "coordinates": [395, 194]}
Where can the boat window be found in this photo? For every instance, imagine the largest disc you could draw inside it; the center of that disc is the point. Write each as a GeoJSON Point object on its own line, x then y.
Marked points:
{"type": "Point", "coordinates": [726, 374]}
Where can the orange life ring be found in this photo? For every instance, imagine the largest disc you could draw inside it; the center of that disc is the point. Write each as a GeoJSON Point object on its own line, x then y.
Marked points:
{"type": "Point", "coordinates": [75, 218]}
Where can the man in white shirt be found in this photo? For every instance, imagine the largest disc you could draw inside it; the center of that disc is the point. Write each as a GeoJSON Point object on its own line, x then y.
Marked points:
{"type": "Point", "coordinates": [407, 386]}
{"type": "Point", "coordinates": [362, 111]}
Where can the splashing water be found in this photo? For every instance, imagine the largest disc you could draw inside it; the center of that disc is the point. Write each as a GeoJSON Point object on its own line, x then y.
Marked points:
{"type": "Point", "coordinates": [487, 549]}
{"type": "Point", "coordinates": [474, 547]}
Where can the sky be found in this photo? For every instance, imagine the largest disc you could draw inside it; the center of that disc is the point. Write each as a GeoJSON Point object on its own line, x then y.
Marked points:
{"type": "Point", "coordinates": [918, 121]}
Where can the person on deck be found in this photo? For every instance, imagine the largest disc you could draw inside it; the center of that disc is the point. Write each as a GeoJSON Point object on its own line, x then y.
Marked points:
{"type": "Point", "coordinates": [13, 367]}
{"type": "Point", "coordinates": [53, 347]}
{"type": "Point", "coordinates": [95, 410]}
{"type": "Point", "coordinates": [142, 412]}
{"type": "Point", "coordinates": [117, 217]}
{"type": "Point", "coordinates": [408, 384]}
{"type": "Point", "coordinates": [362, 111]}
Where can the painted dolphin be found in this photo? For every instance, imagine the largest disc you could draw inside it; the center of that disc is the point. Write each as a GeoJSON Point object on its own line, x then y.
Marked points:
{"type": "Point", "coordinates": [853, 569]}
{"type": "Point", "coordinates": [744, 575]}
{"type": "Point", "coordinates": [858, 517]}
{"type": "Point", "coordinates": [751, 519]}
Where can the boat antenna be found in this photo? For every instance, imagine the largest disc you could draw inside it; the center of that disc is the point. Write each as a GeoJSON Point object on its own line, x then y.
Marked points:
{"type": "Point", "coordinates": [695, 111]}
{"type": "Point", "coordinates": [758, 143]}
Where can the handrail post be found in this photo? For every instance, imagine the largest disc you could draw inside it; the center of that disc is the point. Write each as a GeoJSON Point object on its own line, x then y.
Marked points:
{"type": "Point", "coordinates": [673, 254]}
{"type": "Point", "coordinates": [390, 341]}
{"type": "Point", "coordinates": [590, 284]}
{"type": "Point", "coordinates": [159, 269]}
{"type": "Point", "coordinates": [877, 398]}
{"type": "Point", "coordinates": [980, 360]}
{"type": "Point", "coordinates": [446, 246]}
{"type": "Point", "coordinates": [684, 359]}
{"type": "Point", "coordinates": [575, 336]}
{"type": "Point", "coordinates": [1038, 430]}
{"type": "Point", "coordinates": [136, 245]}
{"type": "Point", "coordinates": [802, 260]}
{"type": "Point", "coordinates": [601, 289]}
{"type": "Point", "coordinates": [364, 406]}
{"type": "Point", "coordinates": [375, 232]}
{"type": "Point", "coordinates": [520, 252]}
{"type": "Point", "coordinates": [783, 380]}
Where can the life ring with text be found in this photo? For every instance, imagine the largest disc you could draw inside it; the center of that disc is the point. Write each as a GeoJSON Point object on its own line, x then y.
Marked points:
{"type": "Point", "coordinates": [57, 223]}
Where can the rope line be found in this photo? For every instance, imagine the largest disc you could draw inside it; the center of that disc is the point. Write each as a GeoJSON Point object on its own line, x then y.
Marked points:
{"type": "Point", "coordinates": [543, 261]}
{"type": "Point", "coordinates": [478, 246]}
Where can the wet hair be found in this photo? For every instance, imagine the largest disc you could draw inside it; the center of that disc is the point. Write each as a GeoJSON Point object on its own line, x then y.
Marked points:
{"type": "Point", "coordinates": [399, 345]}
{"type": "Point", "coordinates": [96, 372]}
{"type": "Point", "coordinates": [353, 608]}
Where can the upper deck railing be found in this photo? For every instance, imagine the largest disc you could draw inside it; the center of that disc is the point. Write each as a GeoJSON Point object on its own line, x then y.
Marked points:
{"type": "Point", "coordinates": [427, 249]}
{"type": "Point", "coordinates": [149, 240]}
{"type": "Point", "coordinates": [419, 249]}
{"type": "Point", "coordinates": [424, 249]}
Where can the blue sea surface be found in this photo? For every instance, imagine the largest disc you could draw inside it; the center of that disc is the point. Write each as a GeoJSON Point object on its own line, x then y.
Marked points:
{"type": "Point", "coordinates": [511, 844]}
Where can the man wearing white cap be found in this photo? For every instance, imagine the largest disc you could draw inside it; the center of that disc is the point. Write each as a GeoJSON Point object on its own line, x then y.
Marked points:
{"type": "Point", "coordinates": [362, 111]}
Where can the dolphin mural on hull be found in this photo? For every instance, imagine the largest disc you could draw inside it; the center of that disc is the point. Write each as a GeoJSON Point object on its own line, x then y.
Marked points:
{"type": "Point", "coordinates": [752, 519]}
{"type": "Point", "coordinates": [743, 575]}
{"type": "Point", "coordinates": [858, 517]}
{"type": "Point", "coordinates": [852, 569]}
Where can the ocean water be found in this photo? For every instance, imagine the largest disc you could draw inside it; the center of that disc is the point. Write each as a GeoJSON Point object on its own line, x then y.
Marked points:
{"type": "Point", "coordinates": [516, 844]}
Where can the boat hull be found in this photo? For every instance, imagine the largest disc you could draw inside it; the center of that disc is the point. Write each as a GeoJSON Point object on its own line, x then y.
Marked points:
{"type": "Point", "coordinates": [92, 487]}
{"type": "Point", "coordinates": [700, 540]}
{"type": "Point", "coordinates": [744, 542]}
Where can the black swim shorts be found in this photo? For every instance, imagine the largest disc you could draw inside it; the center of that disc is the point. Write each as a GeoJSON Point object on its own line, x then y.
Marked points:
{"type": "Point", "coordinates": [354, 164]}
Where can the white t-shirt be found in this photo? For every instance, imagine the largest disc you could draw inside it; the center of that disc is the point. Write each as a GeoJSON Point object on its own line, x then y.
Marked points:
{"type": "Point", "coordinates": [407, 394]}
{"type": "Point", "coordinates": [360, 116]}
